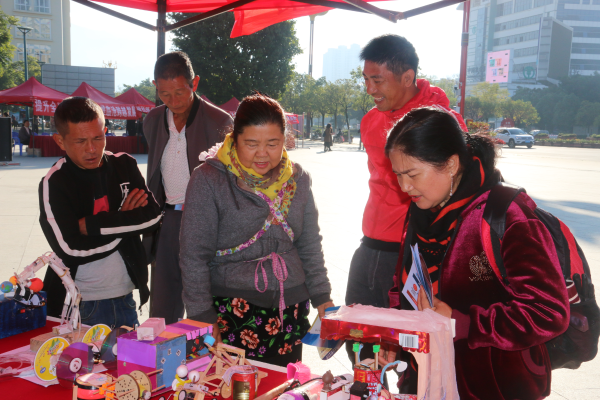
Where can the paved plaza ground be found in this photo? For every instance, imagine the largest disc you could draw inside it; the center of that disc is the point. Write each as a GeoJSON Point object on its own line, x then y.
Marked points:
{"type": "Point", "coordinates": [564, 181]}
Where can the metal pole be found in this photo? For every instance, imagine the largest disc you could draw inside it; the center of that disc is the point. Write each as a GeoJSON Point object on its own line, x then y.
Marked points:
{"type": "Point", "coordinates": [161, 23]}
{"type": "Point", "coordinates": [25, 60]}
{"type": "Point", "coordinates": [310, 47]}
{"type": "Point", "coordinates": [463, 56]}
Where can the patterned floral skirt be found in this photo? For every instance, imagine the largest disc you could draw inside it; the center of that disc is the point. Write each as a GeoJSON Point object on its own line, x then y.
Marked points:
{"type": "Point", "coordinates": [258, 330]}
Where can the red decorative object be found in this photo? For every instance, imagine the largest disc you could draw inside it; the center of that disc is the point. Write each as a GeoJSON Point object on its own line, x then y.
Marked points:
{"type": "Point", "coordinates": [141, 103]}
{"type": "Point", "coordinates": [33, 94]}
{"type": "Point", "coordinates": [111, 107]}
{"type": "Point", "coordinates": [343, 330]}
{"type": "Point", "coordinates": [231, 106]}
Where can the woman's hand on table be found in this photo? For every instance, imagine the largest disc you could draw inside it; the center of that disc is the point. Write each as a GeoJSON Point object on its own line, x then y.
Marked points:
{"type": "Point", "coordinates": [438, 306]}
{"type": "Point", "coordinates": [321, 309]}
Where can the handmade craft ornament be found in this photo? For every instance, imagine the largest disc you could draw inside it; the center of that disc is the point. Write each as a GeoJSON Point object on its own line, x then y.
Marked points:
{"type": "Point", "coordinates": [75, 360]}
{"type": "Point", "coordinates": [108, 351]}
{"type": "Point", "coordinates": [36, 284]}
{"type": "Point", "coordinates": [88, 386]}
{"type": "Point", "coordinates": [6, 287]}
{"type": "Point", "coordinates": [47, 357]}
{"type": "Point", "coordinates": [299, 372]}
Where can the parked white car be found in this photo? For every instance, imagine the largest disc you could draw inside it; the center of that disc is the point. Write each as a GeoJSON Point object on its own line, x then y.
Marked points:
{"type": "Point", "coordinates": [514, 137]}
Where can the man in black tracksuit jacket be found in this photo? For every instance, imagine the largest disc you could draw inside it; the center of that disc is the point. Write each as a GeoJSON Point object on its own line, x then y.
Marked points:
{"type": "Point", "coordinates": [94, 205]}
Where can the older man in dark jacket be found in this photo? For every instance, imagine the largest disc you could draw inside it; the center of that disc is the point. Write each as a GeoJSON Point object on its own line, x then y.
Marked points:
{"type": "Point", "coordinates": [25, 133]}
{"type": "Point", "coordinates": [177, 132]}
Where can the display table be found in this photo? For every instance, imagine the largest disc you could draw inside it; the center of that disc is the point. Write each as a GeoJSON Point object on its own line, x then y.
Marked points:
{"type": "Point", "coordinates": [21, 389]}
{"type": "Point", "coordinates": [114, 144]}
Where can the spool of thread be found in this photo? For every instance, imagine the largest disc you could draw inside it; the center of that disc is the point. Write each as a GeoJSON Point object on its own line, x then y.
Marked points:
{"type": "Point", "coordinates": [36, 285]}
{"type": "Point", "coordinates": [244, 384]}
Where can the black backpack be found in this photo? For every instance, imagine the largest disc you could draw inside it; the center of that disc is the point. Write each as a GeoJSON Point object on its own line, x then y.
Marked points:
{"type": "Point", "coordinates": [579, 343]}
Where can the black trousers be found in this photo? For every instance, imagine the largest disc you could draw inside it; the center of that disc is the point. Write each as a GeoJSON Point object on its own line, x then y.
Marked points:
{"type": "Point", "coordinates": [370, 279]}
{"type": "Point", "coordinates": [166, 288]}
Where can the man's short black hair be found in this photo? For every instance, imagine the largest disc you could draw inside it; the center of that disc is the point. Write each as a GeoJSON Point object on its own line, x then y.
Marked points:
{"type": "Point", "coordinates": [173, 65]}
{"type": "Point", "coordinates": [76, 110]}
{"type": "Point", "coordinates": [397, 53]}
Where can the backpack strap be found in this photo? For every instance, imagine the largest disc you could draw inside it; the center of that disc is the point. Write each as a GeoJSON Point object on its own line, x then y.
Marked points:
{"type": "Point", "coordinates": [493, 225]}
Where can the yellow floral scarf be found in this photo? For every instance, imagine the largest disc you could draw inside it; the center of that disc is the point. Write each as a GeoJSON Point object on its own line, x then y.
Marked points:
{"type": "Point", "coordinates": [269, 185]}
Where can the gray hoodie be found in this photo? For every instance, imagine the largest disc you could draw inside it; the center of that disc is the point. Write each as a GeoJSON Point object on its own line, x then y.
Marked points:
{"type": "Point", "coordinates": [220, 215]}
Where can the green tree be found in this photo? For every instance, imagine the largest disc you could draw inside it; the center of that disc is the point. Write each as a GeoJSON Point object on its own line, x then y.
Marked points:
{"type": "Point", "coordinates": [523, 113]}
{"type": "Point", "coordinates": [447, 85]}
{"type": "Point", "coordinates": [145, 87]}
{"type": "Point", "coordinates": [293, 98]}
{"type": "Point", "coordinates": [346, 89]}
{"type": "Point", "coordinates": [587, 113]}
{"type": "Point", "coordinates": [565, 111]}
{"type": "Point", "coordinates": [363, 101]}
{"type": "Point", "coordinates": [235, 66]}
{"type": "Point", "coordinates": [334, 99]}
{"type": "Point", "coordinates": [320, 98]}
{"type": "Point", "coordinates": [490, 95]}
{"type": "Point", "coordinates": [586, 87]}
{"type": "Point", "coordinates": [473, 108]}
{"type": "Point", "coordinates": [12, 73]}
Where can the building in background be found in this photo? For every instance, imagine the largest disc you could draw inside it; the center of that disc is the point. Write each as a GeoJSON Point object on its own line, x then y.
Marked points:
{"type": "Point", "coordinates": [546, 40]}
{"type": "Point", "coordinates": [49, 41]}
{"type": "Point", "coordinates": [67, 78]}
{"type": "Point", "coordinates": [338, 63]}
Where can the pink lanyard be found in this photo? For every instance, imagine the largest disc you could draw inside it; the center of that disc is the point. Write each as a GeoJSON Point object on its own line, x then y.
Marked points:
{"type": "Point", "coordinates": [278, 263]}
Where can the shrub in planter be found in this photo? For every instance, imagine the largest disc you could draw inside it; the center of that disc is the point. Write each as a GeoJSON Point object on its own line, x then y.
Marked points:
{"type": "Point", "coordinates": [566, 136]}
{"type": "Point", "coordinates": [594, 137]}
{"type": "Point", "coordinates": [478, 127]}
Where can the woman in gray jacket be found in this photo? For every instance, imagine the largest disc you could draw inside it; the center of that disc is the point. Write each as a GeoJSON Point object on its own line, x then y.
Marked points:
{"type": "Point", "coordinates": [251, 255]}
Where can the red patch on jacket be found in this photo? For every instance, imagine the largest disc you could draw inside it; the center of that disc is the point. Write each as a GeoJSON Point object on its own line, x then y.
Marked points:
{"type": "Point", "coordinates": [101, 205]}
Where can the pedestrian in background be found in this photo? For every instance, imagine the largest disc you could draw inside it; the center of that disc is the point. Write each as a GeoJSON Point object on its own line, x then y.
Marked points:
{"type": "Point", "coordinates": [328, 138]}
{"type": "Point", "coordinates": [25, 133]}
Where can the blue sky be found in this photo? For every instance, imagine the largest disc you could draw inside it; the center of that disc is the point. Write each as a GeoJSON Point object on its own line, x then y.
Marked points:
{"type": "Point", "coordinates": [98, 38]}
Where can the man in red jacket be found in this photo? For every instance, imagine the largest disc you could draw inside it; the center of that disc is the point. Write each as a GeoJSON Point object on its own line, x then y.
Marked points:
{"type": "Point", "coordinates": [390, 69]}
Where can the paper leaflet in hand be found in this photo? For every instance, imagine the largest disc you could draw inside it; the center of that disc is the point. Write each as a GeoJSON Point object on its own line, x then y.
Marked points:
{"type": "Point", "coordinates": [418, 277]}
{"type": "Point", "coordinates": [326, 348]}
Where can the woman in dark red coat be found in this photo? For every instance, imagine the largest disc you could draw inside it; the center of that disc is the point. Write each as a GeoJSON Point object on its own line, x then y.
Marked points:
{"type": "Point", "coordinates": [500, 329]}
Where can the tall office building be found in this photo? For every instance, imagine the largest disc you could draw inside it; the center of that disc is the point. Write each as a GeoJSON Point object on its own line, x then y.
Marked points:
{"type": "Point", "coordinates": [541, 41]}
{"type": "Point", "coordinates": [337, 63]}
{"type": "Point", "coordinates": [49, 40]}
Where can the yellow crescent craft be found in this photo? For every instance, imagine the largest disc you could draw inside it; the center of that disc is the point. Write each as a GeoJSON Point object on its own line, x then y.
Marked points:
{"type": "Point", "coordinates": [96, 333]}
{"type": "Point", "coordinates": [47, 356]}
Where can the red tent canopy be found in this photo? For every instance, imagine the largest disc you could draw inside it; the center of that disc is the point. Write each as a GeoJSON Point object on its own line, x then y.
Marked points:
{"type": "Point", "coordinates": [132, 96]}
{"type": "Point", "coordinates": [203, 97]}
{"type": "Point", "coordinates": [231, 106]}
{"type": "Point", "coordinates": [111, 107]}
{"type": "Point", "coordinates": [250, 15]}
{"type": "Point", "coordinates": [43, 99]}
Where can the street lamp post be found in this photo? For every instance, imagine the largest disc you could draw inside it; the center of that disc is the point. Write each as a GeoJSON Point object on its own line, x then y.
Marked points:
{"type": "Point", "coordinates": [25, 30]}
{"type": "Point", "coordinates": [310, 62]}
